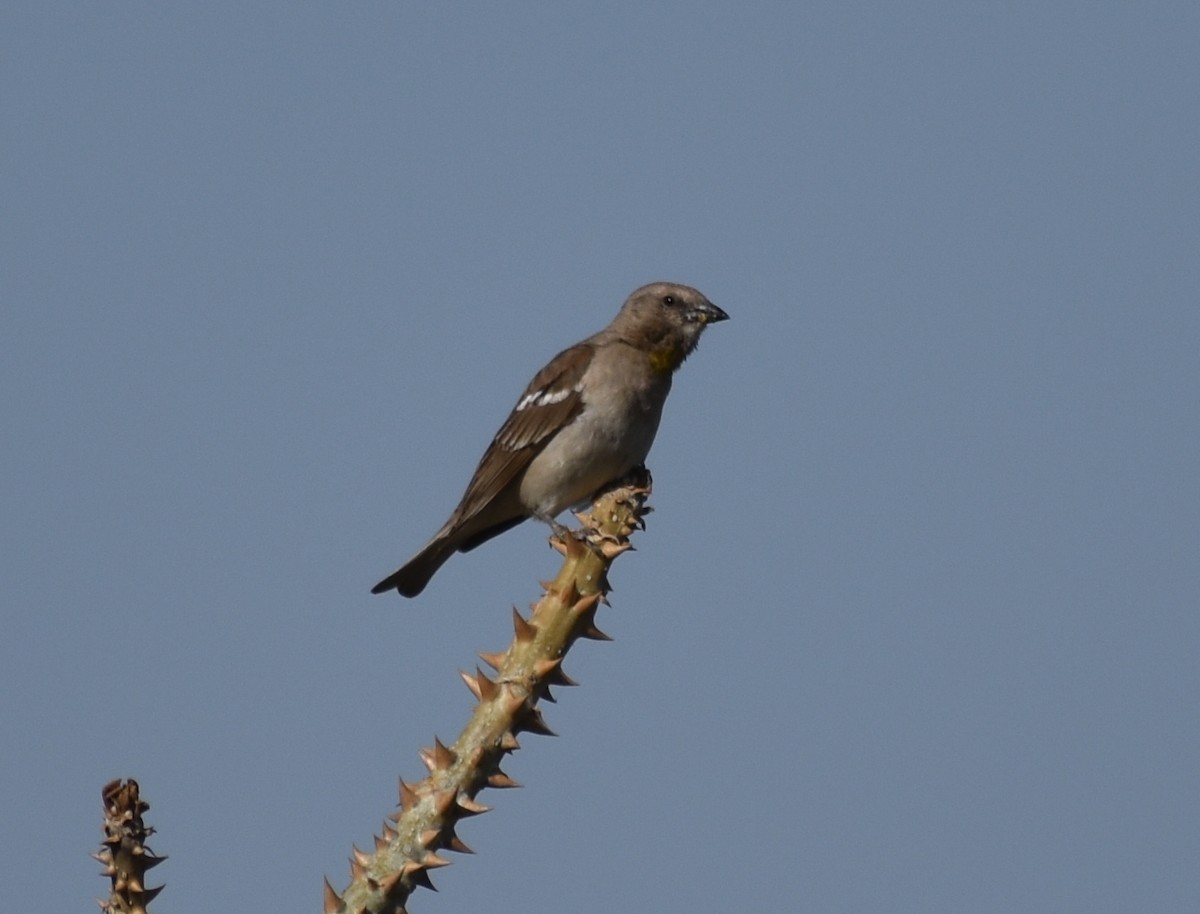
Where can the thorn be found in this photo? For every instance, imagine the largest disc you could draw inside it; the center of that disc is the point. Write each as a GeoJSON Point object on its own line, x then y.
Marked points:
{"type": "Point", "coordinates": [585, 613]}
{"type": "Point", "coordinates": [148, 895]}
{"type": "Point", "coordinates": [380, 843]}
{"type": "Point", "coordinates": [612, 550]}
{"type": "Point", "coordinates": [489, 688]}
{"type": "Point", "coordinates": [432, 861]}
{"type": "Point", "coordinates": [494, 660]}
{"type": "Point", "coordinates": [357, 870]}
{"type": "Point", "coordinates": [468, 807]}
{"type": "Point", "coordinates": [428, 837]}
{"type": "Point", "coordinates": [360, 855]}
{"type": "Point", "coordinates": [546, 585]}
{"type": "Point", "coordinates": [455, 843]}
{"type": "Point", "coordinates": [545, 673]}
{"type": "Point", "coordinates": [389, 834]}
{"type": "Point", "coordinates": [471, 684]}
{"type": "Point", "coordinates": [586, 604]}
{"type": "Point", "coordinates": [444, 757]}
{"type": "Point", "coordinates": [409, 867]}
{"type": "Point", "coordinates": [420, 877]}
{"type": "Point", "coordinates": [559, 546]}
{"type": "Point", "coordinates": [408, 796]}
{"type": "Point", "coordinates": [594, 634]}
{"type": "Point", "coordinates": [508, 742]}
{"type": "Point", "coordinates": [525, 631]}
{"type": "Point", "coordinates": [438, 758]}
{"type": "Point", "coordinates": [333, 904]}
{"type": "Point", "coordinates": [150, 861]}
{"type": "Point", "coordinates": [560, 678]}
{"type": "Point", "coordinates": [533, 722]}
{"type": "Point", "coordinates": [500, 780]}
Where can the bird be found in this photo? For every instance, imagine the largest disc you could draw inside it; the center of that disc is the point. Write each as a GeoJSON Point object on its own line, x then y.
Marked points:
{"type": "Point", "coordinates": [586, 419]}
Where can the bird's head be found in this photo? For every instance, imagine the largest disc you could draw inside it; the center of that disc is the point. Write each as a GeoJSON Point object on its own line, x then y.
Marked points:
{"type": "Point", "coordinates": [666, 319]}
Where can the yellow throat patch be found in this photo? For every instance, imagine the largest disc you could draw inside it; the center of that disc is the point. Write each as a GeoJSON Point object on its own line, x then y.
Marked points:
{"type": "Point", "coordinates": [666, 359]}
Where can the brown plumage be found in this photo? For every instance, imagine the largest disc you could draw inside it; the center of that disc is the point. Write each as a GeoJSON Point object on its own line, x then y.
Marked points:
{"type": "Point", "coordinates": [587, 418]}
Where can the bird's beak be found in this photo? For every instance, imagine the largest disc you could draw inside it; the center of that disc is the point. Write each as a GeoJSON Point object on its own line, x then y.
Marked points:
{"type": "Point", "coordinates": [708, 313]}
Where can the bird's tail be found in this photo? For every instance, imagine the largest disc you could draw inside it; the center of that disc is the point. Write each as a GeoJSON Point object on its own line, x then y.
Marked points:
{"type": "Point", "coordinates": [412, 578]}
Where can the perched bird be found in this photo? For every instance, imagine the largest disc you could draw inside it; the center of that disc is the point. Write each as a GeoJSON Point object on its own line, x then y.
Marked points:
{"type": "Point", "coordinates": [585, 420]}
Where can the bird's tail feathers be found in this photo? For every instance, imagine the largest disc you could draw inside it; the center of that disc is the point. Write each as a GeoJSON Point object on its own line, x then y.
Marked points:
{"type": "Point", "coordinates": [455, 536]}
{"type": "Point", "coordinates": [412, 578]}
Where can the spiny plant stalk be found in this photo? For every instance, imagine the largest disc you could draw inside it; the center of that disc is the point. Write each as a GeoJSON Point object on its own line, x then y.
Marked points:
{"type": "Point", "coordinates": [406, 851]}
{"type": "Point", "coordinates": [124, 853]}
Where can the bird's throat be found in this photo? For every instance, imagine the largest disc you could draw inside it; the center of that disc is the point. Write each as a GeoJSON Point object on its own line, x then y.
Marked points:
{"type": "Point", "coordinates": [666, 359]}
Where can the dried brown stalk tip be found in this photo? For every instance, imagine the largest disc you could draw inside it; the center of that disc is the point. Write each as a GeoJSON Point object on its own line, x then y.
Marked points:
{"type": "Point", "coordinates": [124, 854]}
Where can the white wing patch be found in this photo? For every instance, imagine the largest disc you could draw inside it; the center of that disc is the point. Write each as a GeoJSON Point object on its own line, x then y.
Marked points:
{"type": "Point", "coordinates": [546, 397]}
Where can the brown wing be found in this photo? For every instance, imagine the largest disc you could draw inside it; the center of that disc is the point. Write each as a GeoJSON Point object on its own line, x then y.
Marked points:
{"type": "Point", "coordinates": [551, 400]}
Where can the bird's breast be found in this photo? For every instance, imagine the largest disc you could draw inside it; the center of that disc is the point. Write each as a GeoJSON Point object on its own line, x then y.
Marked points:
{"type": "Point", "coordinates": [606, 439]}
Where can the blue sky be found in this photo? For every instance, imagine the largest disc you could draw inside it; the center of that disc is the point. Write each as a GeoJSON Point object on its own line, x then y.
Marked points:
{"type": "Point", "coordinates": [914, 626]}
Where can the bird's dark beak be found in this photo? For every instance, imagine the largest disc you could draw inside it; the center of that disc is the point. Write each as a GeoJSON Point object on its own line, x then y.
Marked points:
{"type": "Point", "coordinates": [708, 313]}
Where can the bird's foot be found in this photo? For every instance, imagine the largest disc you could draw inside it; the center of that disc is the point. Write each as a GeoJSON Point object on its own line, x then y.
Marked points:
{"type": "Point", "coordinates": [559, 531]}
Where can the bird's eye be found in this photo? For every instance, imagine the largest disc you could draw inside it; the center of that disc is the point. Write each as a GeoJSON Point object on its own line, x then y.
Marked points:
{"type": "Point", "coordinates": [668, 299]}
